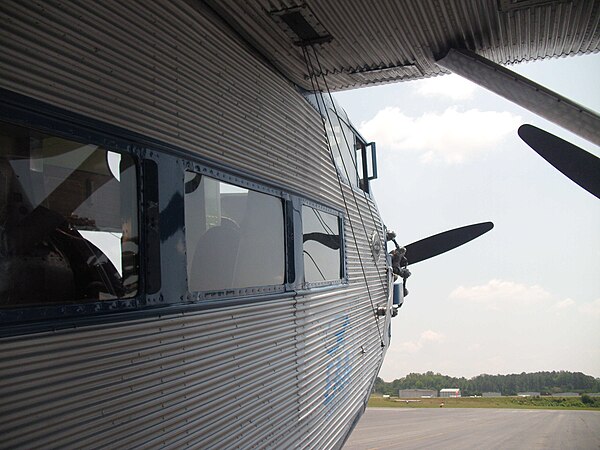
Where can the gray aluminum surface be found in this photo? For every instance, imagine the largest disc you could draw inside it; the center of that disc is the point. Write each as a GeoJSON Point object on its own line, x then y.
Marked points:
{"type": "Point", "coordinates": [288, 372]}
{"type": "Point", "coordinates": [389, 41]}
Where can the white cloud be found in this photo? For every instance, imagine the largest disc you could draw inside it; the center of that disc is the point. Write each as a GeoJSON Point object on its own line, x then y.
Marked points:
{"type": "Point", "coordinates": [432, 336]}
{"type": "Point", "coordinates": [474, 347]}
{"type": "Point", "coordinates": [564, 304]}
{"type": "Point", "coordinates": [591, 308]}
{"type": "Point", "coordinates": [451, 86]}
{"type": "Point", "coordinates": [410, 346]}
{"type": "Point", "coordinates": [427, 336]}
{"type": "Point", "coordinates": [452, 136]}
{"type": "Point", "coordinates": [499, 294]}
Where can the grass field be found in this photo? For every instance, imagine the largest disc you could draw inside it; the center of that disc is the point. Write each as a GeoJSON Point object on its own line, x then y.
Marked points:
{"type": "Point", "coordinates": [480, 402]}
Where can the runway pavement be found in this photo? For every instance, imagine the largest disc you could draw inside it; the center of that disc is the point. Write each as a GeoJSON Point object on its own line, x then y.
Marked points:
{"type": "Point", "coordinates": [447, 428]}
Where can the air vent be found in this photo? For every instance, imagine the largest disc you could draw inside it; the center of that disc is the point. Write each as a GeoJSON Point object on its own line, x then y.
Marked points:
{"type": "Point", "coordinates": [378, 70]}
{"type": "Point", "coordinates": [301, 25]}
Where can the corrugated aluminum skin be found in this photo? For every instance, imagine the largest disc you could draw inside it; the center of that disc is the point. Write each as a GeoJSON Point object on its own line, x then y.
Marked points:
{"type": "Point", "coordinates": [292, 372]}
{"type": "Point", "coordinates": [387, 41]}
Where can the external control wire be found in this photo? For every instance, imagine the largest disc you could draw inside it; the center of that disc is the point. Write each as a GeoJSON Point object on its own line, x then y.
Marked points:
{"type": "Point", "coordinates": [326, 117]}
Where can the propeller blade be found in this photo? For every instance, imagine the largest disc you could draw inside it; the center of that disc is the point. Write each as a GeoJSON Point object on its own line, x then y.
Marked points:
{"type": "Point", "coordinates": [442, 242]}
{"type": "Point", "coordinates": [574, 162]}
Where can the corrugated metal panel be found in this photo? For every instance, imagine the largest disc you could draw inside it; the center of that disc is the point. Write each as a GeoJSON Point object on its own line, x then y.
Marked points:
{"type": "Point", "coordinates": [394, 41]}
{"type": "Point", "coordinates": [170, 74]}
{"type": "Point", "coordinates": [208, 373]}
{"type": "Point", "coordinates": [284, 373]}
{"type": "Point", "coordinates": [235, 377]}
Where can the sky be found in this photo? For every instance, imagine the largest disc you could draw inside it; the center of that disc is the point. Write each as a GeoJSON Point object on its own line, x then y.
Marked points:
{"type": "Point", "coordinates": [524, 297]}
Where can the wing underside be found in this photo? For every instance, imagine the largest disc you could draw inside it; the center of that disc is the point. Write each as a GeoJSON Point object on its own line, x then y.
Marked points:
{"type": "Point", "coordinates": [361, 44]}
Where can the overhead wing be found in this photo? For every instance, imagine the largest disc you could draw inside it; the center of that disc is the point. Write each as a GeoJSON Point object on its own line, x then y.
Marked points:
{"type": "Point", "coordinates": [363, 43]}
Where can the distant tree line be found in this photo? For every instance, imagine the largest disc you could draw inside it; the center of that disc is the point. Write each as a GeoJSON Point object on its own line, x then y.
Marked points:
{"type": "Point", "coordinates": [543, 382]}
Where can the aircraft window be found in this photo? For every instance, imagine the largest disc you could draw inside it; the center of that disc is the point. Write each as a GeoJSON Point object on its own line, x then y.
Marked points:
{"type": "Point", "coordinates": [321, 245]}
{"type": "Point", "coordinates": [342, 141]}
{"type": "Point", "coordinates": [234, 236]}
{"type": "Point", "coordinates": [68, 221]}
{"type": "Point", "coordinates": [355, 161]}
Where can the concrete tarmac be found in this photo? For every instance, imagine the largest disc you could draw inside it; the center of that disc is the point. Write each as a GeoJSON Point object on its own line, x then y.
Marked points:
{"type": "Point", "coordinates": [454, 428]}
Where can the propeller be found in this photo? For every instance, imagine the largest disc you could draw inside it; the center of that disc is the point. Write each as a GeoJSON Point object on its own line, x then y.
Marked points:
{"type": "Point", "coordinates": [420, 250]}
{"type": "Point", "coordinates": [574, 162]}
{"type": "Point", "coordinates": [441, 243]}
{"type": "Point", "coordinates": [428, 248]}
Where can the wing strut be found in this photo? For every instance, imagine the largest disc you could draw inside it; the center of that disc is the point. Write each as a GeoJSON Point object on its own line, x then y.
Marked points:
{"type": "Point", "coordinates": [524, 92]}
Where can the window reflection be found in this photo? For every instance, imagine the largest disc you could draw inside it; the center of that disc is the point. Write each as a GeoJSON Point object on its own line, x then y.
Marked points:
{"type": "Point", "coordinates": [342, 142]}
{"type": "Point", "coordinates": [234, 236]}
{"type": "Point", "coordinates": [321, 245]}
{"type": "Point", "coordinates": [68, 220]}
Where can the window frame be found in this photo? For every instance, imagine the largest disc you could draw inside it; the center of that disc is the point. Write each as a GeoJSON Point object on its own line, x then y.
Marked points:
{"type": "Point", "coordinates": [157, 164]}
{"type": "Point", "coordinates": [343, 279]}
{"type": "Point", "coordinates": [366, 163]}
{"type": "Point", "coordinates": [330, 112]}
{"type": "Point", "coordinates": [350, 175]}
{"type": "Point", "coordinates": [287, 222]}
{"type": "Point", "coordinates": [53, 125]}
